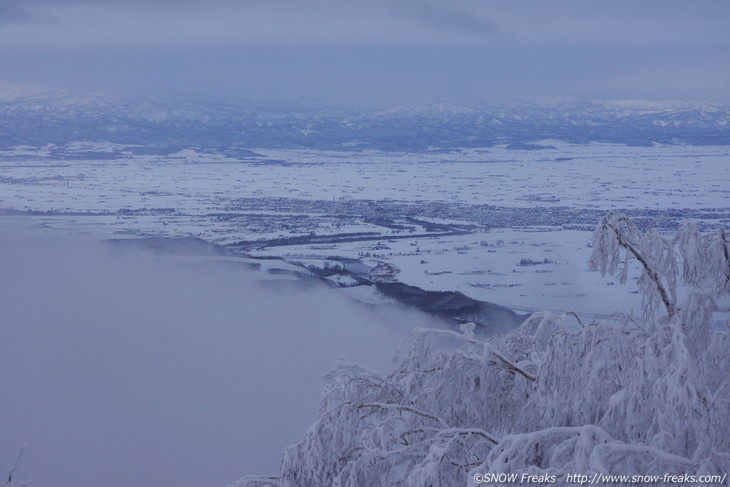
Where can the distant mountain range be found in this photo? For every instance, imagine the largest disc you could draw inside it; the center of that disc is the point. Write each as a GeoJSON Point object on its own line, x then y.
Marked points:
{"type": "Point", "coordinates": [60, 118]}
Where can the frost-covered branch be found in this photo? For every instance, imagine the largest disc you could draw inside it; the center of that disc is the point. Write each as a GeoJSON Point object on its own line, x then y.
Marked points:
{"type": "Point", "coordinates": [257, 481]}
{"type": "Point", "coordinates": [726, 255]}
{"type": "Point", "coordinates": [398, 407]}
{"type": "Point", "coordinates": [653, 275]}
{"type": "Point", "coordinates": [14, 466]}
{"type": "Point", "coordinates": [627, 236]}
{"type": "Point", "coordinates": [653, 398]}
{"type": "Point", "coordinates": [488, 350]}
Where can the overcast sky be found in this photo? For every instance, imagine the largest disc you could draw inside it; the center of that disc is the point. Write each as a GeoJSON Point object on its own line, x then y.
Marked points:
{"type": "Point", "coordinates": [370, 49]}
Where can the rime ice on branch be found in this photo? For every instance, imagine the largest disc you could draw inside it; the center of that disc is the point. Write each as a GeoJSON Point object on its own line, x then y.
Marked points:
{"type": "Point", "coordinates": [552, 397]}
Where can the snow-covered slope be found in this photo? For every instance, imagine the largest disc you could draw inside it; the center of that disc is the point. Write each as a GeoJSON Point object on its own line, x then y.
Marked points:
{"type": "Point", "coordinates": [205, 121]}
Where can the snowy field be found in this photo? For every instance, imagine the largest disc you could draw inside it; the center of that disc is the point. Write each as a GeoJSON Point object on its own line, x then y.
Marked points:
{"type": "Point", "coordinates": [525, 270]}
{"type": "Point", "coordinates": [598, 176]}
{"type": "Point", "coordinates": [514, 204]}
{"type": "Point", "coordinates": [505, 226]}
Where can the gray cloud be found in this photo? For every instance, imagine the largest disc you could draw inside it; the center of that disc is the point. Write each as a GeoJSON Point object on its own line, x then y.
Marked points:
{"type": "Point", "coordinates": [13, 12]}
{"type": "Point", "coordinates": [456, 18]}
{"type": "Point", "coordinates": [376, 48]}
{"type": "Point", "coordinates": [191, 22]}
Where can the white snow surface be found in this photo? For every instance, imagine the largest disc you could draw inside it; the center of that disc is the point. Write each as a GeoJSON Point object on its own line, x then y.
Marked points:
{"type": "Point", "coordinates": [194, 193]}
{"type": "Point", "coordinates": [601, 176]}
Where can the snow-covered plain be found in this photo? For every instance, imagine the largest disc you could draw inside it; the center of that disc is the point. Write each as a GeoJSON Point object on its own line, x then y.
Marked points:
{"type": "Point", "coordinates": [603, 176]}
{"type": "Point", "coordinates": [506, 226]}
{"type": "Point", "coordinates": [501, 195]}
{"type": "Point", "coordinates": [504, 266]}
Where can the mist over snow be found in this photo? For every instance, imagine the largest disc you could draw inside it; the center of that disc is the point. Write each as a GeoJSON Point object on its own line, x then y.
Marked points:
{"type": "Point", "coordinates": [122, 368]}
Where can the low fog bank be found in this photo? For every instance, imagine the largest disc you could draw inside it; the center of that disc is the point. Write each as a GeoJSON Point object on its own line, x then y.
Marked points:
{"type": "Point", "coordinates": [120, 368]}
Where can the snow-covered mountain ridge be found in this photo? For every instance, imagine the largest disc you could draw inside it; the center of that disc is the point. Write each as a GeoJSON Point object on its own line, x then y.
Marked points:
{"type": "Point", "coordinates": [60, 118]}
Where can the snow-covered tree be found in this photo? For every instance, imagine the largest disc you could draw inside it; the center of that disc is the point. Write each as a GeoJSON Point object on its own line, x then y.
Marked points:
{"type": "Point", "coordinates": [10, 480]}
{"type": "Point", "coordinates": [553, 397]}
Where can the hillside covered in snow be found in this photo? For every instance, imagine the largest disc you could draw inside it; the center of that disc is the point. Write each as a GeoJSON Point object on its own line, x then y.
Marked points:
{"type": "Point", "coordinates": [59, 118]}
